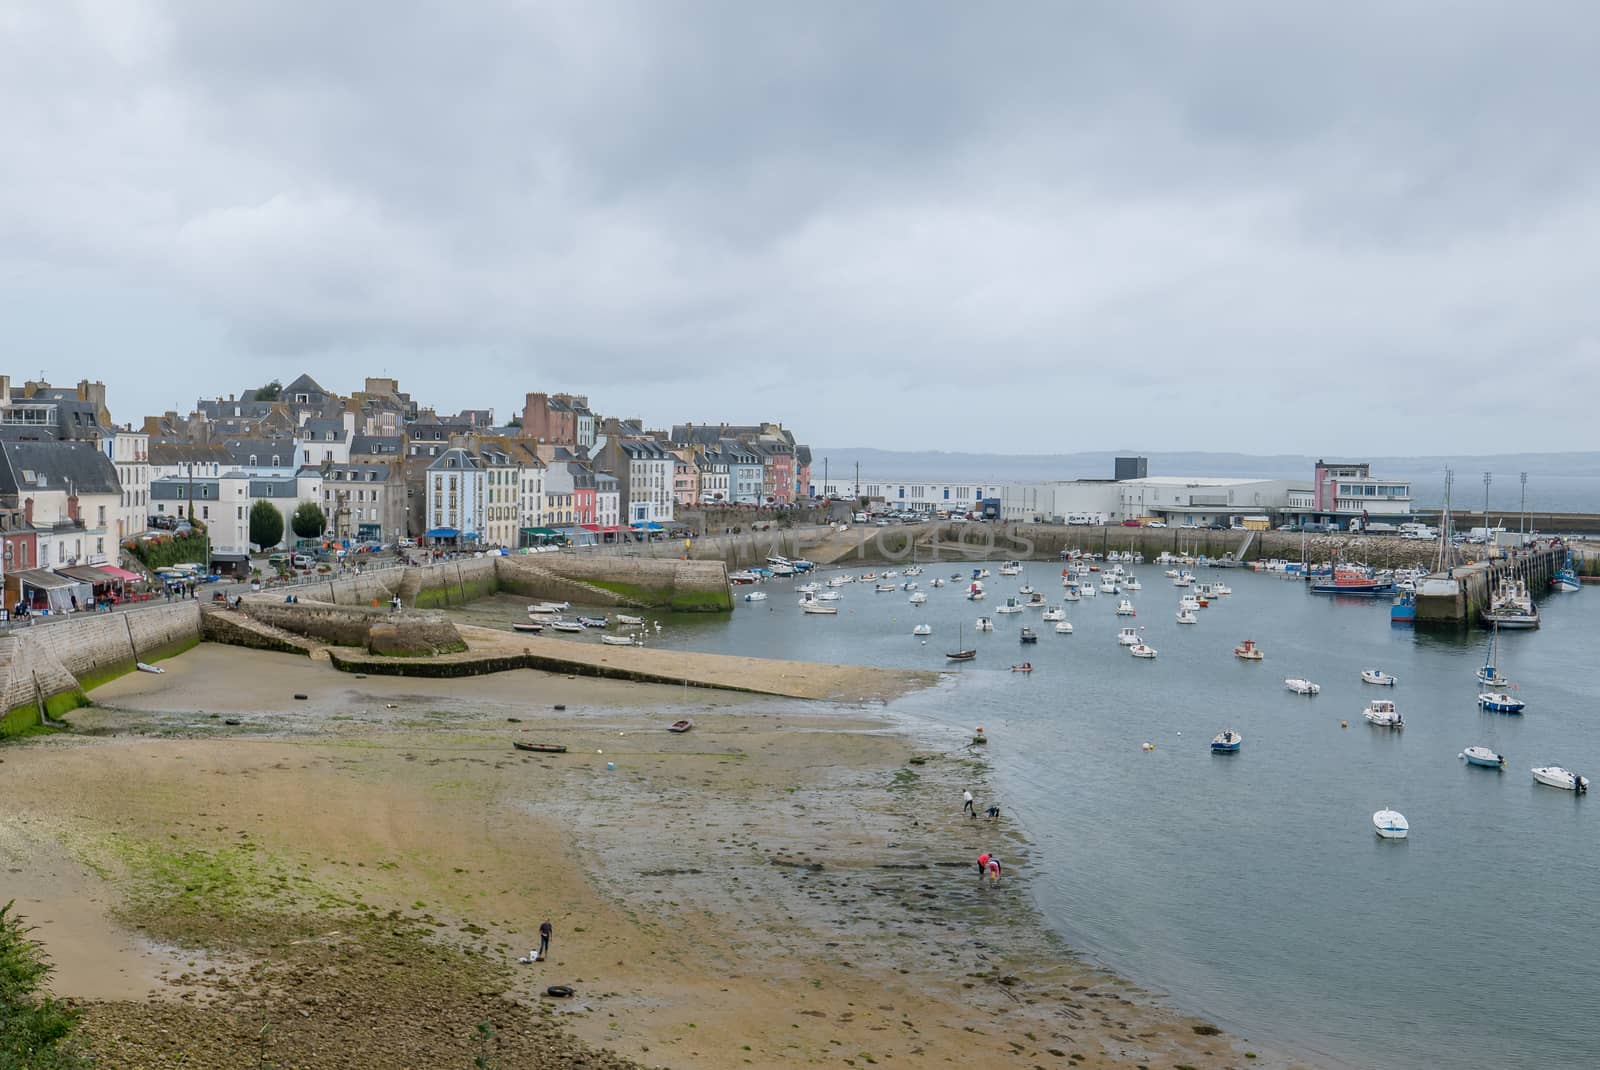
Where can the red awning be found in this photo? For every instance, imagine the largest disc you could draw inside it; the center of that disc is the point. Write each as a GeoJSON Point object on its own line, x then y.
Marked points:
{"type": "Point", "coordinates": [610, 530]}
{"type": "Point", "coordinates": [591, 527]}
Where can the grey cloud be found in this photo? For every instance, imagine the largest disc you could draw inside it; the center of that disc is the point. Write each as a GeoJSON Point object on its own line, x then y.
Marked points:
{"type": "Point", "coordinates": [1090, 214]}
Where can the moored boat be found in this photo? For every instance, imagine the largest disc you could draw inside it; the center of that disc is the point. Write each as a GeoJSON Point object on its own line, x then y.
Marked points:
{"type": "Point", "coordinates": [1128, 636]}
{"type": "Point", "coordinates": [1484, 757]}
{"type": "Point", "coordinates": [918, 598]}
{"type": "Point", "coordinates": [540, 748]}
{"type": "Point", "coordinates": [680, 726]}
{"type": "Point", "coordinates": [1355, 580]}
{"type": "Point", "coordinates": [1125, 609]}
{"type": "Point", "coordinates": [1028, 635]}
{"type": "Point", "coordinates": [1026, 666]}
{"type": "Point", "coordinates": [1556, 777]}
{"type": "Point", "coordinates": [594, 622]}
{"type": "Point", "coordinates": [1377, 676]}
{"type": "Point", "coordinates": [1301, 686]}
{"type": "Point", "coordinates": [965, 653]}
{"type": "Point", "coordinates": [1381, 712]}
{"type": "Point", "coordinates": [1186, 616]}
{"type": "Point", "coordinates": [1063, 627]}
{"type": "Point", "coordinates": [1226, 742]}
{"type": "Point", "coordinates": [531, 627]}
{"type": "Point", "coordinates": [618, 640]}
{"type": "Point", "coordinates": [566, 626]}
{"type": "Point", "coordinates": [819, 609]}
{"type": "Point", "coordinates": [623, 619]}
{"type": "Point", "coordinates": [922, 629]}
{"type": "Point", "coordinates": [1142, 650]}
{"type": "Point", "coordinates": [1391, 824]}
{"type": "Point", "coordinates": [1248, 651]}
{"type": "Point", "coordinates": [1501, 702]}
{"type": "Point", "coordinates": [756, 596]}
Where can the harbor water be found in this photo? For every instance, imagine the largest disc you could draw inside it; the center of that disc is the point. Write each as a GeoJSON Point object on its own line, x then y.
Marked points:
{"type": "Point", "coordinates": [1251, 887]}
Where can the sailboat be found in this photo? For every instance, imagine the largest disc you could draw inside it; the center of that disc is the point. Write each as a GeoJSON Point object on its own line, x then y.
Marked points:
{"type": "Point", "coordinates": [1490, 673]}
{"type": "Point", "coordinates": [962, 653]}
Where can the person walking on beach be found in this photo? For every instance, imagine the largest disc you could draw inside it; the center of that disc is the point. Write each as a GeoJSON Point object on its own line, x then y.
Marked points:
{"type": "Point", "coordinates": [994, 871]}
{"type": "Point", "coordinates": [966, 804]}
{"type": "Point", "coordinates": [983, 864]}
{"type": "Point", "coordinates": [545, 932]}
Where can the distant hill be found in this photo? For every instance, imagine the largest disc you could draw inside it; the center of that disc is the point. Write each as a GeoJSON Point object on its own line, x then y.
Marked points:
{"type": "Point", "coordinates": [1564, 482]}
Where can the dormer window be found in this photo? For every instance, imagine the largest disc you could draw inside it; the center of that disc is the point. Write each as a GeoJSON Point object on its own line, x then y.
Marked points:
{"type": "Point", "coordinates": [252, 460]}
{"type": "Point", "coordinates": [275, 460]}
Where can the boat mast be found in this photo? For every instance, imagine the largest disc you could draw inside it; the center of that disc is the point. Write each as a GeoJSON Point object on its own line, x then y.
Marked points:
{"type": "Point", "coordinates": [1447, 553]}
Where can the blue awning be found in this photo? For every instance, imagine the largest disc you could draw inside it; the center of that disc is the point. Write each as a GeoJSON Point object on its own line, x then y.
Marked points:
{"type": "Point", "coordinates": [442, 533]}
{"type": "Point", "coordinates": [647, 525]}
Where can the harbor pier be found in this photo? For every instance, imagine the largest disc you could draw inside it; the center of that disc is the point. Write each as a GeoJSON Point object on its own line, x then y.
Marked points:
{"type": "Point", "coordinates": [1460, 594]}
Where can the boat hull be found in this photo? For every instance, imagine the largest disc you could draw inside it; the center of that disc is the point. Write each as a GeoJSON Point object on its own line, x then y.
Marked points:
{"type": "Point", "coordinates": [1483, 758]}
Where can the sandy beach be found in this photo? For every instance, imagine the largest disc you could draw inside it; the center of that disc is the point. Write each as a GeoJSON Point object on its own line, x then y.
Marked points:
{"type": "Point", "coordinates": [349, 879]}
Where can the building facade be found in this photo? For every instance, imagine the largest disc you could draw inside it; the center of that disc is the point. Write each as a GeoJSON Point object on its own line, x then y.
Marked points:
{"type": "Point", "coordinates": [456, 497]}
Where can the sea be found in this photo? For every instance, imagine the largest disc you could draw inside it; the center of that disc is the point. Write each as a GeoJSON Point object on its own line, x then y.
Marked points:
{"type": "Point", "coordinates": [1251, 888]}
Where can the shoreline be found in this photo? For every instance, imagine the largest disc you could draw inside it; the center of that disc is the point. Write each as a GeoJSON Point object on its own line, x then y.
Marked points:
{"type": "Point", "coordinates": [773, 830]}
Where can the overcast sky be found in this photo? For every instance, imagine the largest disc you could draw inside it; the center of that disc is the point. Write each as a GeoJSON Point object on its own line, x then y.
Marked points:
{"type": "Point", "coordinates": [1263, 227]}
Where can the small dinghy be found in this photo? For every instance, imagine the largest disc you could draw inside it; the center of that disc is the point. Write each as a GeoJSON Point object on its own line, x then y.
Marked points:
{"type": "Point", "coordinates": [540, 748]}
{"type": "Point", "coordinates": [618, 640]}
{"type": "Point", "coordinates": [1142, 650]}
{"type": "Point", "coordinates": [566, 626]}
{"type": "Point", "coordinates": [1248, 651]}
{"type": "Point", "coordinates": [1226, 742]}
{"type": "Point", "coordinates": [1501, 702]}
{"type": "Point", "coordinates": [1556, 777]}
{"type": "Point", "coordinates": [624, 619]}
{"type": "Point", "coordinates": [145, 666]}
{"type": "Point", "coordinates": [756, 596]}
{"type": "Point", "coordinates": [1391, 824]}
{"type": "Point", "coordinates": [1026, 666]}
{"type": "Point", "coordinates": [1382, 713]}
{"type": "Point", "coordinates": [885, 588]}
{"type": "Point", "coordinates": [680, 726]}
{"type": "Point", "coordinates": [1063, 627]}
{"type": "Point", "coordinates": [1484, 758]}
{"type": "Point", "coordinates": [532, 626]}
{"type": "Point", "coordinates": [922, 629]}
{"type": "Point", "coordinates": [594, 622]}
{"type": "Point", "coordinates": [1377, 676]}
{"type": "Point", "coordinates": [1301, 687]}
{"type": "Point", "coordinates": [819, 609]}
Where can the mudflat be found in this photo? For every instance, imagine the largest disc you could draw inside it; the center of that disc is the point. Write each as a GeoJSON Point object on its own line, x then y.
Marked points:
{"type": "Point", "coordinates": [349, 880]}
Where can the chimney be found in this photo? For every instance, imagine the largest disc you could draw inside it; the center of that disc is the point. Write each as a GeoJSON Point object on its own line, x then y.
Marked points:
{"type": "Point", "coordinates": [72, 506]}
{"type": "Point", "coordinates": [27, 512]}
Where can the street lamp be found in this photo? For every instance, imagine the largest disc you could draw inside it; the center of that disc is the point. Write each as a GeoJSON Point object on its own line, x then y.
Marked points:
{"type": "Point", "coordinates": [1523, 527]}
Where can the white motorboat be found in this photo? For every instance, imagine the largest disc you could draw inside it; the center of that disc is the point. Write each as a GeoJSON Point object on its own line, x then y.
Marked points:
{"type": "Point", "coordinates": [838, 581]}
{"type": "Point", "coordinates": [619, 640]}
{"type": "Point", "coordinates": [809, 587]}
{"type": "Point", "coordinates": [743, 576]}
{"type": "Point", "coordinates": [1142, 650]}
{"type": "Point", "coordinates": [1132, 583]}
{"type": "Point", "coordinates": [918, 598]}
{"type": "Point", "coordinates": [1184, 579]}
{"type": "Point", "coordinates": [985, 624]}
{"type": "Point", "coordinates": [1086, 589]}
{"type": "Point", "coordinates": [1483, 756]}
{"type": "Point", "coordinates": [1391, 824]}
{"type": "Point", "coordinates": [922, 629]}
{"type": "Point", "coordinates": [1186, 616]}
{"type": "Point", "coordinates": [624, 619]}
{"type": "Point", "coordinates": [1026, 588]}
{"type": "Point", "coordinates": [1128, 637]}
{"type": "Point", "coordinates": [1377, 676]}
{"type": "Point", "coordinates": [1125, 609]}
{"type": "Point", "coordinates": [546, 609]}
{"type": "Point", "coordinates": [912, 570]}
{"type": "Point", "coordinates": [1382, 713]}
{"type": "Point", "coordinates": [566, 626]}
{"type": "Point", "coordinates": [1072, 593]}
{"type": "Point", "coordinates": [1301, 686]}
{"type": "Point", "coordinates": [1173, 573]}
{"type": "Point", "coordinates": [938, 581]}
{"type": "Point", "coordinates": [980, 573]}
{"type": "Point", "coordinates": [885, 588]}
{"type": "Point", "coordinates": [1221, 589]}
{"type": "Point", "coordinates": [1054, 613]}
{"type": "Point", "coordinates": [1063, 627]}
{"type": "Point", "coordinates": [1108, 585]}
{"type": "Point", "coordinates": [1010, 607]}
{"type": "Point", "coordinates": [975, 592]}
{"type": "Point", "coordinates": [828, 596]}
{"type": "Point", "coordinates": [1556, 777]}
{"type": "Point", "coordinates": [909, 585]}
{"type": "Point", "coordinates": [821, 609]}
{"type": "Point", "coordinates": [891, 574]}
{"type": "Point", "coordinates": [756, 596]}
{"type": "Point", "coordinates": [1189, 602]}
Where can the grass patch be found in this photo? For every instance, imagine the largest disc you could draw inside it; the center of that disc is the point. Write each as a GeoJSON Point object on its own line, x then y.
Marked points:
{"type": "Point", "coordinates": [35, 1030]}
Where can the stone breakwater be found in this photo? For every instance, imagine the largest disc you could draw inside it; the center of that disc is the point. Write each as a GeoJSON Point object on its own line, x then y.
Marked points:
{"type": "Point", "coordinates": [46, 669]}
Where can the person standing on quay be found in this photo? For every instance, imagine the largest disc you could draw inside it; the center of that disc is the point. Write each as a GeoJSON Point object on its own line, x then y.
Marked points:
{"type": "Point", "coordinates": [966, 804]}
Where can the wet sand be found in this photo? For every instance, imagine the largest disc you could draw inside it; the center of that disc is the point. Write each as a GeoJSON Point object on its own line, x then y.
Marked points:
{"type": "Point", "coordinates": [787, 882]}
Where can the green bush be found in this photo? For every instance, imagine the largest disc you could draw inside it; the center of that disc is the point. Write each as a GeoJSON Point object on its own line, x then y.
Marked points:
{"type": "Point", "coordinates": [165, 550]}
{"type": "Point", "coordinates": [308, 520]}
{"type": "Point", "coordinates": [266, 525]}
{"type": "Point", "coordinates": [35, 1029]}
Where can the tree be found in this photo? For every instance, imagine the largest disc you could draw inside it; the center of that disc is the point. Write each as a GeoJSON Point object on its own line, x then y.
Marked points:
{"type": "Point", "coordinates": [308, 521]}
{"type": "Point", "coordinates": [266, 524]}
{"type": "Point", "coordinates": [271, 392]}
{"type": "Point", "coordinates": [515, 421]}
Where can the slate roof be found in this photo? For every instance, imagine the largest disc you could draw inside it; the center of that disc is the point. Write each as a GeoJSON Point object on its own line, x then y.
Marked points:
{"type": "Point", "coordinates": [456, 459]}
{"type": "Point", "coordinates": [76, 466]}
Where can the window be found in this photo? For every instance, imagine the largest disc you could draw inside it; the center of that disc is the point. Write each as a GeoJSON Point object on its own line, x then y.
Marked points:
{"type": "Point", "coordinates": [241, 513]}
{"type": "Point", "coordinates": [102, 516]}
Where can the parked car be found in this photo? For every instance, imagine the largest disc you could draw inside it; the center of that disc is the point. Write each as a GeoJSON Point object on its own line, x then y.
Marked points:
{"type": "Point", "coordinates": [301, 561]}
{"type": "Point", "coordinates": [1156, 524]}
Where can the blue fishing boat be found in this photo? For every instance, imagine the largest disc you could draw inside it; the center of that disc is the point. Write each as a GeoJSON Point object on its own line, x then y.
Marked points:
{"type": "Point", "coordinates": [1566, 577]}
{"type": "Point", "coordinates": [1501, 702]}
{"type": "Point", "coordinates": [1404, 610]}
{"type": "Point", "coordinates": [1226, 742]}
